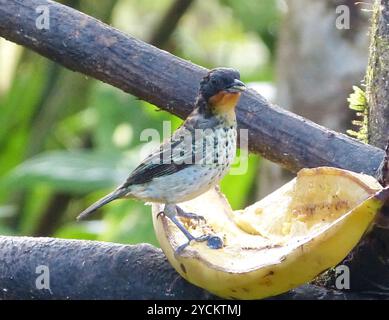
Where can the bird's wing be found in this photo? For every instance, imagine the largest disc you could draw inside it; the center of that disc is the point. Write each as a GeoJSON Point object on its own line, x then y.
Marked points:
{"type": "Point", "coordinates": [176, 154]}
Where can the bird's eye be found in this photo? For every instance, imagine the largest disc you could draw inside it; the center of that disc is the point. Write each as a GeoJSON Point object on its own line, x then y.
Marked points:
{"type": "Point", "coordinates": [214, 81]}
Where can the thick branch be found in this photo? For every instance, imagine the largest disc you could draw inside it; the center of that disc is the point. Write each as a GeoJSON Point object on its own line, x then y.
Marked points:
{"type": "Point", "coordinates": [86, 45]}
{"type": "Point", "coordinates": [89, 270]}
{"type": "Point", "coordinates": [100, 270]}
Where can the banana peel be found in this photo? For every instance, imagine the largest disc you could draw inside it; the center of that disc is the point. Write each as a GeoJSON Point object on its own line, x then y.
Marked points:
{"type": "Point", "coordinates": [285, 240]}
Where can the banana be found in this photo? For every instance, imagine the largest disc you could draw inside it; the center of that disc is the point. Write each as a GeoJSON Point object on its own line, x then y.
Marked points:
{"type": "Point", "coordinates": [285, 240]}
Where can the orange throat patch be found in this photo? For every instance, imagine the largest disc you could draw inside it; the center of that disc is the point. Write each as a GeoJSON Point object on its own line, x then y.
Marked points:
{"type": "Point", "coordinates": [224, 103]}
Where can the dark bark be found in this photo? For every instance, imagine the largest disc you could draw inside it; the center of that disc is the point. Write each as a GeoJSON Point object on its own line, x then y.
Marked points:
{"type": "Point", "coordinates": [86, 45]}
{"type": "Point", "coordinates": [101, 270]}
{"type": "Point", "coordinates": [89, 270]}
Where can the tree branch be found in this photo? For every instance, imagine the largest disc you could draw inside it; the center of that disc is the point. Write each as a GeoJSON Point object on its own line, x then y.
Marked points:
{"type": "Point", "coordinates": [100, 270]}
{"type": "Point", "coordinates": [89, 270]}
{"type": "Point", "coordinates": [83, 44]}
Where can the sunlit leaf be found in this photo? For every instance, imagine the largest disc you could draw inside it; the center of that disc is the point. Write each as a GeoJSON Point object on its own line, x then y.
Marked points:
{"type": "Point", "coordinates": [74, 172]}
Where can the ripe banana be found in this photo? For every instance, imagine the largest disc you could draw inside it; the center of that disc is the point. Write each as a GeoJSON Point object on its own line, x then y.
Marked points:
{"type": "Point", "coordinates": [286, 239]}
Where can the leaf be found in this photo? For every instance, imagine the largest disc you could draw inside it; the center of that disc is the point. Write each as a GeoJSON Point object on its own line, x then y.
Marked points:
{"type": "Point", "coordinates": [75, 172]}
{"type": "Point", "coordinates": [357, 99]}
{"type": "Point", "coordinates": [358, 102]}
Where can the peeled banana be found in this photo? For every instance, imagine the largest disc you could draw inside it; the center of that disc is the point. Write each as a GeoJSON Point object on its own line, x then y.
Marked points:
{"type": "Point", "coordinates": [286, 239]}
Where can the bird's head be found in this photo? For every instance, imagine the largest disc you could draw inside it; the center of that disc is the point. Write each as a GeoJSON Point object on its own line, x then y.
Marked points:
{"type": "Point", "coordinates": [221, 89]}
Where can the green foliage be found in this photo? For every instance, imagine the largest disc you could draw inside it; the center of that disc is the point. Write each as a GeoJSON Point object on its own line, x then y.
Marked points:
{"type": "Point", "coordinates": [357, 101]}
{"type": "Point", "coordinates": [76, 172]}
{"type": "Point", "coordinates": [262, 17]}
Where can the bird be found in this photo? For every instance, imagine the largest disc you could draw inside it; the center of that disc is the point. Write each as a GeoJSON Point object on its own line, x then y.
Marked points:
{"type": "Point", "coordinates": [193, 160]}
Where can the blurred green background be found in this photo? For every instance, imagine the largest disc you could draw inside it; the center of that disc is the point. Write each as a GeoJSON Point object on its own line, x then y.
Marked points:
{"type": "Point", "coordinates": [67, 140]}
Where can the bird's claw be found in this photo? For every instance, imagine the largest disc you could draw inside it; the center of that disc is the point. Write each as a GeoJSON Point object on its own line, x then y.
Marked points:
{"type": "Point", "coordinates": [213, 242]}
{"type": "Point", "coordinates": [190, 215]}
{"type": "Point", "coordinates": [181, 248]}
{"type": "Point", "coordinates": [193, 216]}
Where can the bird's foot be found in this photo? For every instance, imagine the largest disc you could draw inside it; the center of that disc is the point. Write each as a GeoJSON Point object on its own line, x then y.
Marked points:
{"type": "Point", "coordinates": [181, 248]}
{"type": "Point", "coordinates": [170, 211]}
{"type": "Point", "coordinates": [190, 215]}
{"type": "Point", "coordinates": [213, 242]}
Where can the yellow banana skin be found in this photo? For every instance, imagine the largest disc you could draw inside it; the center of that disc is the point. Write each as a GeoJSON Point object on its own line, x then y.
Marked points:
{"type": "Point", "coordinates": [262, 260]}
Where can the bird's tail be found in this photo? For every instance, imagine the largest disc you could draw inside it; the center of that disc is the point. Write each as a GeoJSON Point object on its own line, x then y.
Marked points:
{"type": "Point", "coordinates": [118, 193]}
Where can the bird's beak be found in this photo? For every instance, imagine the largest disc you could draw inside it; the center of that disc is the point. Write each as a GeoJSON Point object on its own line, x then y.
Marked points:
{"type": "Point", "coordinates": [237, 86]}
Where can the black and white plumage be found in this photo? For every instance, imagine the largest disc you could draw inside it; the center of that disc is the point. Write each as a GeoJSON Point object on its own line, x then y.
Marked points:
{"type": "Point", "coordinates": [197, 155]}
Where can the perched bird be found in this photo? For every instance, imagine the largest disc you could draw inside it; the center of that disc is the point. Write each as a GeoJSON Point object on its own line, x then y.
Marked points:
{"type": "Point", "coordinates": [194, 159]}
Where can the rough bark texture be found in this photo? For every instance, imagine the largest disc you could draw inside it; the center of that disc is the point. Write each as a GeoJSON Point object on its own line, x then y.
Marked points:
{"type": "Point", "coordinates": [86, 45]}
{"type": "Point", "coordinates": [101, 270]}
{"type": "Point", "coordinates": [89, 270]}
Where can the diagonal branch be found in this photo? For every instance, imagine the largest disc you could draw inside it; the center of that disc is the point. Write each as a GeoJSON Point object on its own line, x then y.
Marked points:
{"type": "Point", "coordinates": [84, 44]}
